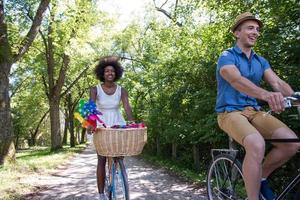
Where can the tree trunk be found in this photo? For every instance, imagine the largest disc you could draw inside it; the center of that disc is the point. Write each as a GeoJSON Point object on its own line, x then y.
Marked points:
{"type": "Point", "coordinates": [174, 151]}
{"type": "Point", "coordinates": [6, 131]}
{"type": "Point", "coordinates": [56, 142]}
{"type": "Point", "coordinates": [83, 136]}
{"type": "Point", "coordinates": [32, 140]}
{"type": "Point", "coordinates": [64, 141]}
{"type": "Point", "coordinates": [72, 133]}
{"type": "Point", "coordinates": [16, 142]}
{"type": "Point", "coordinates": [70, 120]}
{"type": "Point", "coordinates": [196, 157]}
{"type": "Point", "coordinates": [7, 148]}
{"type": "Point", "coordinates": [78, 135]}
{"type": "Point", "coordinates": [158, 151]}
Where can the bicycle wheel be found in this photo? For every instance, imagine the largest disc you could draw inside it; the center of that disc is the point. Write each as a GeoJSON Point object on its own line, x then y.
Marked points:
{"type": "Point", "coordinates": [118, 189]}
{"type": "Point", "coordinates": [225, 179]}
{"type": "Point", "coordinates": [122, 189]}
{"type": "Point", "coordinates": [109, 177]}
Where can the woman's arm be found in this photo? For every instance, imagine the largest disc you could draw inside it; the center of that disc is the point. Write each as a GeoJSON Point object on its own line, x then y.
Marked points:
{"type": "Point", "coordinates": [126, 105]}
{"type": "Point", "coordinates": [93, 94]}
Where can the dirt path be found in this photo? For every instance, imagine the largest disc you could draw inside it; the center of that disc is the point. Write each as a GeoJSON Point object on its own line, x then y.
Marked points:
{"type": "Point", "coordinates": [76, 180]}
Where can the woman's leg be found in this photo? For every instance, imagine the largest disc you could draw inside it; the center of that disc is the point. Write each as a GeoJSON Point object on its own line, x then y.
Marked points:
{"type": "Point", "coordinates": [101, 173]}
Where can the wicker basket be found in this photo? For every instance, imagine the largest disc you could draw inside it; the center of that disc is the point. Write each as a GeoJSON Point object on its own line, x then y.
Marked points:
{"type": "Point", "coordinates": [119, 142]}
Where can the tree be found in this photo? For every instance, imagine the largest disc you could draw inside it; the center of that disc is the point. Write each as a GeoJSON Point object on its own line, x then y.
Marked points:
{"type": "Point", "coordinates": [7, 58]}
{"type": "Point", "coordinates": [64, 28]}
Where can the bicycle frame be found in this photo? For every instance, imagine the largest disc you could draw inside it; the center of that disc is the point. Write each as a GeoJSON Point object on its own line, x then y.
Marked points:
{"type": "Point", "coordinates": [289, 102]}
{"type": "Point", "coordinates": [289, 187]}
{"type": "Point", "coordinates": [293, 183]}
{"type": "Point", "coordinates": [296, 180]}
{"type": "Point", "coordinates": [116, 168]}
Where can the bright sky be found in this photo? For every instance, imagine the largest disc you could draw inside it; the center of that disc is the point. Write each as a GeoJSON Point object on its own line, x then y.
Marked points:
{"type": "Point", "coordinates": [126, 9]}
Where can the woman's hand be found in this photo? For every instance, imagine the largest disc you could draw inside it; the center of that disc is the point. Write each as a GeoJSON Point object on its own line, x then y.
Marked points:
{"type": "Point", "coordinates": [130, 122]}
{"type": "Point", "coordinates": [90, 130]}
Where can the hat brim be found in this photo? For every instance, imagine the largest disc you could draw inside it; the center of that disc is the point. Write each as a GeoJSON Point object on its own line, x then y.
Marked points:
{"type": "Point", "coordinates": [233, 28]}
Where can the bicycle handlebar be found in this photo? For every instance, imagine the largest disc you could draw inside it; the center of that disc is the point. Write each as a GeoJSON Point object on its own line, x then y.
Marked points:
{"type": "Point", "coordinates": [293, 100]}
{"type": "Point", "coordinates": [289, 102]}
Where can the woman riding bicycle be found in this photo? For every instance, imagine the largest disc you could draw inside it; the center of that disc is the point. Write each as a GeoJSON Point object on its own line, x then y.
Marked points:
{"type": "Point", "coordinates": [107, 96]}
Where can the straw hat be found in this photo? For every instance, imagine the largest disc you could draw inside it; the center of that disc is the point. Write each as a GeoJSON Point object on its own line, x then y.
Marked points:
{"type": "Point", "coordinates": [243, 17]}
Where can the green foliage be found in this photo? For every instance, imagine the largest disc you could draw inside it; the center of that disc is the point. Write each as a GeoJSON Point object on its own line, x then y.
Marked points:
{"type": "Point", "coordinates": [169, 69]}
{"type": "Point", "coordinates": [172, 71]}
{"type": "Point", "coordinates": [28, 102]}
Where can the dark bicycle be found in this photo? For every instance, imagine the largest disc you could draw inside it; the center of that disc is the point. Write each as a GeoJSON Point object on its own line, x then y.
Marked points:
{"type": "Point", "coordinates": [225, 178]}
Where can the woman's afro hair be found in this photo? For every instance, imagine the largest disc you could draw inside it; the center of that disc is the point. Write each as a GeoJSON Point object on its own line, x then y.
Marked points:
{"type": "Point", "coordinates": [108, 61]}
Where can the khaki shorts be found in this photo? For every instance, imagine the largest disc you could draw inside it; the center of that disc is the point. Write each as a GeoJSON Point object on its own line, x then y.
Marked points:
{"type": "Point", "coordinates": [239, 124]}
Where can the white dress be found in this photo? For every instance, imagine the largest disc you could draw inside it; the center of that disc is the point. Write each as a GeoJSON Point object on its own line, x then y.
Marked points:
{"type": "Point", "coordinates": [109, 106]}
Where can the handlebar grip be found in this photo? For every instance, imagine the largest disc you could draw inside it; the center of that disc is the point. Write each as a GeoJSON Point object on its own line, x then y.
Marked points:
{"type": "Point", "coordinates": [296, 95]}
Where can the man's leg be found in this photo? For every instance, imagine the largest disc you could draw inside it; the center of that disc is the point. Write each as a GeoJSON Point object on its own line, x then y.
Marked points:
{"type": "Point", "coordinates": [237, 126]}
{"type": "Point", "coordinates": [281, 152]}
{"type": "Point", "coordinates": [254, 145]}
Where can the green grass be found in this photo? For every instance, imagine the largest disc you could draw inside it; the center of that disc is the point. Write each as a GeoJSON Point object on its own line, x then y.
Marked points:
{"type": "Point", "coordinates": [178, 169]}
{"type": "Point", "coordinates": [28, 163]}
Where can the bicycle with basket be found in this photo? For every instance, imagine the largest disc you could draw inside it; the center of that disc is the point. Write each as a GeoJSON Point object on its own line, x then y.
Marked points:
{"type": "Point", "coordinates": [225, 176]}
{"type": "Point", "coordinates": [115, 143]}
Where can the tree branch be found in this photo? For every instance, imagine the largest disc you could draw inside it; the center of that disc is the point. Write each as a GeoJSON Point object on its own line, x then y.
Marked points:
{"type": "Point", "coordinates": [62, 72]}
{"type": "Point", "coordinates": [46, 86]}
{"type": "Point", "coordinates": [169, 16]}
{"type": "Point", "coordinates": [50, 57]}
{"type": "Point", "coordinates": [18, 87]}
{"type": "Point", "coordinates": [26, 43]}
{"type": "Point", "coordinates": [40, 122]}
{"type": "Point", "coordinates": [74, 82]}
{"type": "Point", "coordinates": [5, 49]}
{"type": "Point", "coordinates": [160, 9]}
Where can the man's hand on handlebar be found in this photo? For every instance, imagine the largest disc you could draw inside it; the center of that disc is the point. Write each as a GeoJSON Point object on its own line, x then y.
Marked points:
{"type": "Point", "coordinates": [275, 101]}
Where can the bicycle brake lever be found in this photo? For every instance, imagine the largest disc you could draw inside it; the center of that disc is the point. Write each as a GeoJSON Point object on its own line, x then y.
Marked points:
{"type": "Point", "coordinates": [288, 102]}
{"type": "Point", "coordinates": [296, 95]}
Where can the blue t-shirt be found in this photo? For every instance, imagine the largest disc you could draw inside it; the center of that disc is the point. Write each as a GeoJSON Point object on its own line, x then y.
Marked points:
{"type": "Point", "coordinates": [228, 98]}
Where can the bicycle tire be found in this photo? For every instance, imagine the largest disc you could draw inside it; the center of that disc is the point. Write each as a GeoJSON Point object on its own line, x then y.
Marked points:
{"type": "Point", "coordinates": [123, 181]}
{"type": "Point", "coordinates": [225, 179]}
{"type": "Point", "coordinates": [109, 179]}
{"type": "Point", "coordinates": [118, 182]}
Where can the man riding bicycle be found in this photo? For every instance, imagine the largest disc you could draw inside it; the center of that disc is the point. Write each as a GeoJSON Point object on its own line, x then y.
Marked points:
{"type": "Point", "coordinates": [239, 73]}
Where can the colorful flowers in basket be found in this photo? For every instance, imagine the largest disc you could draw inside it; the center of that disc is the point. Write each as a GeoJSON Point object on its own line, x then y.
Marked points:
{"type": "Point", "coordinates": [88, 114]}
{"type": "Point", "coordinates": [133, 125]}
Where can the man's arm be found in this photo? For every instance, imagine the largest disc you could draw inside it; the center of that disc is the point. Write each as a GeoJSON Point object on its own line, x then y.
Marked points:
{"type": "Point", "coordinates": [233, 76]}
{"type": "Point", "coordinates": [277, 84]}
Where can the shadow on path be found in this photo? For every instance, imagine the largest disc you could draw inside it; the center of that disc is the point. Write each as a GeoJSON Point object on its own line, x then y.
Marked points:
{"type": "Point", "coordinates": [77, 180]}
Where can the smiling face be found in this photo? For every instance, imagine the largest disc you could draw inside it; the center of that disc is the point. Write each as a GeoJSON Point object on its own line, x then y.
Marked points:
{"type": "Point", "coordinates": [247, 33]}
{"type": "Point", "coordinates": [109, 74]}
